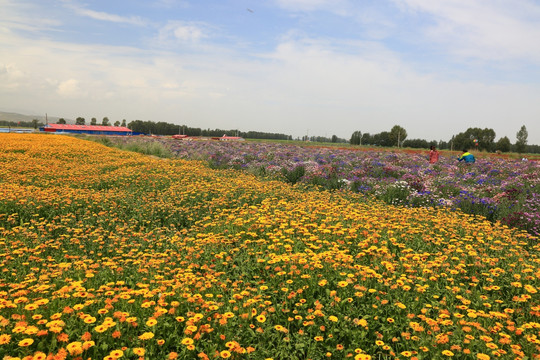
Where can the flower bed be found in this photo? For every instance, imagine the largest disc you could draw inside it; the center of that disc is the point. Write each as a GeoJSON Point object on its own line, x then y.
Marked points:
{"type": "Point", "coordinates": [109, 254]}
{"type": "Point", "coordinates": [500, 189]}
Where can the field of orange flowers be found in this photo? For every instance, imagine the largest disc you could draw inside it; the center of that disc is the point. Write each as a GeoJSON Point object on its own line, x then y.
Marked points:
{"type": "Point", "coordinates": [108, 254]}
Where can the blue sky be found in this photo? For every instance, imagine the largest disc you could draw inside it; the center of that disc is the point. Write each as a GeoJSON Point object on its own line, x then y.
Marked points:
{"type": "Point", "coordinates": [297, 67]}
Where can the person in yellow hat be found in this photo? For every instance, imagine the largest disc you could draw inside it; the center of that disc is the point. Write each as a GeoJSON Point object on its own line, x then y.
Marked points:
{"type": "Point", "coordinates": [467, 157]}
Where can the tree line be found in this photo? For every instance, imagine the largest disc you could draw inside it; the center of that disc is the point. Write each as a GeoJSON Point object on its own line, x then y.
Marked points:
{"type": "Point", "coordinates": [23, 124]}
{"type": "Point", "coordinates": [164, 128]}
{"type": "Point", "coordinates": [471, 139]}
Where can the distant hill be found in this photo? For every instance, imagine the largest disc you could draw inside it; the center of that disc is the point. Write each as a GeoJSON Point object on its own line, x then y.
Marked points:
{"type": "Point", "coordinates": [16, 117]}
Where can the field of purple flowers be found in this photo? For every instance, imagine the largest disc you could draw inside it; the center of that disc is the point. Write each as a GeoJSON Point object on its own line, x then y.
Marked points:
{"type": "Point", "coordinates": [501, 190]}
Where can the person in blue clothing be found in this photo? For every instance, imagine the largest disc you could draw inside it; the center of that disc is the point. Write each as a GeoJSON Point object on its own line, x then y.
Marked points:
{"type": "Point", "coordinates": [467, 157]}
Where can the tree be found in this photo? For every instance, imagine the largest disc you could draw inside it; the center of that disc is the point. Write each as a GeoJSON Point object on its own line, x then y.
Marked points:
{"type": "Point", "coordinates": [486, 139]}
{"type": "Point", "coordinates": [61, 121]}
{"type": "Point", "coordinates": [521, 140]}
{"type": "Point", "coordinates": [123, 123]}
{"type": "Point", "coordinates": [397, 135]}
{"type": "Point", "coordinates": [35, 123]}
{"type": "Point", "coordinates": [93, 121]}
{"type": "Point", "coordinates": [382, 139]}
{"type": "Point", "coordinates": [417, 144]}
{"type": "Point", "coordinates": [80, 121]}
{"type": "Point", "coordinates": [503, 144]}
{"type": "Point", "coordinates": [367, 139]}
{"type": "Point", "coordinates": [466, 140]}
{"type": "Point", "coordinates": [356, 138]}
{"type": "Point", "coordinates": [117, 123]}
{"type": "Point", "coordinates": [105, 121]}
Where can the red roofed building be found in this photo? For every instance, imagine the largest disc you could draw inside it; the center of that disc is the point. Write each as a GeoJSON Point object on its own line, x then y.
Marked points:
{"type": "Point", "coordinates": [85, 129]}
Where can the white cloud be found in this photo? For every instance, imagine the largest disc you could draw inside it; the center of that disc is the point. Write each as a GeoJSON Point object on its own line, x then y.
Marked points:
{"type": "Point", "coordinates": [69, 88]}
{"type": "Point", "coordinates": [491, 31]}
{"type": "Point", "coordinates": [312, 5]}
{"type": "Point", "coordinates": [102, 16]}
{"type": "Point", "coordinates": [176, 31]}
{"type": "Point", "coordinates": [99, 15]}
{"type": "Point", "coordinates": [327, 85]}
{"type": "Point", "coordinates": [15, 16]}
{"type": "Point", "coordinates": [188, 33]}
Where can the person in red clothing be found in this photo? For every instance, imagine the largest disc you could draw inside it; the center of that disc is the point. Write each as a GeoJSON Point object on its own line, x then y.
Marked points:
{"type": "Point", "coordinates": [433, 155]}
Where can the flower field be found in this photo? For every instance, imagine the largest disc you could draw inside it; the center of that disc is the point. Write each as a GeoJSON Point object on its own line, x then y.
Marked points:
{"type": "Point", "coordinates": [500, 189]}
{"type": "Point", "coordinates": [110, 254]}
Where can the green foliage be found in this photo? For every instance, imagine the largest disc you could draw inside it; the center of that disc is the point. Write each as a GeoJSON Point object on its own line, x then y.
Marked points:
{"type": "Point", "coordinates": [397, 135]}
{"type": "Point", "coordinates": [503, 144]}
{"type": "Point", "coordinates": [396, 194]}
{"type": "Point", "coordinates": [465, 140]}
{"type": "Point", "coordinates": [294, 175]}
{"type": "Point", "coordinates": [521, 140]}
{"type": "Point", "coordinates": [356, 138]}
{"type": "Point", "coordinates": [152, 148]}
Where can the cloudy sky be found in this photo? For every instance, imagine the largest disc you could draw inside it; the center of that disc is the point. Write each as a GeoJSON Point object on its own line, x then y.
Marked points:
{"type": "Point", "coordinates": [316, 67]}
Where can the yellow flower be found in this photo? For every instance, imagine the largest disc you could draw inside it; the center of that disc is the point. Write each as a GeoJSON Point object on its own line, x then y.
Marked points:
{"type": "Point", "coordinates": [74, 348]}
{"type": "Point", "coordinates": [146, 336]}
{"type": "Point", "coordinates": [187, 341]}
{"type": "Point", "coordinates": [26, 342]}
{"type": "Point", "coordinates": [38, 355]}
{"type": "Point", "coordinates": [362, 357]}
{"type": "Point", "coordinates": [89, 319]}
{"type": "Point", "coordinates": [151, 322]}
{"type": "Point", "coordinates": [100, 328]}
{"type": "Point", "coordinates": [139, 351]}
{"type": "Point", "coordinates": [261, 318]}
{"type": "Point", "coordinates": [117, 354]}
{"type": "Point", "coordinates": [225, 354]}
